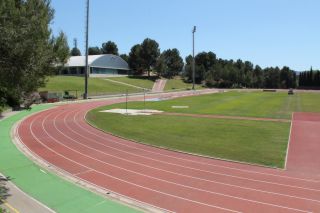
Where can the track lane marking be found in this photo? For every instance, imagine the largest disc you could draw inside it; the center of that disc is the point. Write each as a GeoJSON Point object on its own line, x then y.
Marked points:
{"type": "Point", "coordinates": [184, 159]}
{"type": "Point", "coordinates": [217, 173]}
{"type": "Point", "coordinates": [121, 180]}
{"type": "Point", "coordinates": [217, 182]}
{"type": "Point", "coordinates": [289, 141]}
{"type": "Point", "coordinates": [55, 118]}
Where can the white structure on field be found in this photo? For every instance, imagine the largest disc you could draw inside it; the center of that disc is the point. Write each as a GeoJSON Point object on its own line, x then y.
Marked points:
{"type": "Point", "coordinates": [99, 66]}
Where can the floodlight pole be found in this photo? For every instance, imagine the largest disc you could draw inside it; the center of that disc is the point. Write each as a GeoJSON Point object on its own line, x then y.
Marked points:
{"type": "Point", "coordinates": [193, 60]}
{"type": "Point", "coordinates": [85, 96]}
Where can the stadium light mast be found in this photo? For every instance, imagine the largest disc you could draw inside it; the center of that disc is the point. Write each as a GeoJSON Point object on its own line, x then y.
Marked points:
{"type": "Point", "coordinates": [85, 96]}
{"type": "Point", "coordinates": [193, 60]}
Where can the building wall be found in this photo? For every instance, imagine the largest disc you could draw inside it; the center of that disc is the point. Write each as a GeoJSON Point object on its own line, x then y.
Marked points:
{"type": "Point", "coordinates": [94, 71]}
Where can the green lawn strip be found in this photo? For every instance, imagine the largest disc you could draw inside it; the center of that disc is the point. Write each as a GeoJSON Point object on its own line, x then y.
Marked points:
{"type": "Point", "coordinates": [258, 142]}
{"type": "Point", "coordinates": [48, 188]}
{"type": "Point", "coordinates": [179, 84]}
{"type": "Point", "coordinates": [96, 86]}
{"type": "Point", "coordinates": [143, 82]}
{"type": "Point", "coordinates": [247, 104]}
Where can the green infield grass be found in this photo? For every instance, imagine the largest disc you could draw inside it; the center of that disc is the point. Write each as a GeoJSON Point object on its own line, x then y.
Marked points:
{"type": "Point", "coordinates": [248, 104]}
{"type": "Point", "coordinates": [259, 142]}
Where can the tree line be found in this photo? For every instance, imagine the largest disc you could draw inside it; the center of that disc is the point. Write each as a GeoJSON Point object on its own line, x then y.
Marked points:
{"type": "Point", "coordinates": [209, 70]}
{"type": "Point", "coordinates": [217, 72]}
{"type": "Point", "coordinates": [309, 79]}
{"type": "Point", "coordinates": [144, 57]}
{"type": "Point", "coordinates": [29, 52]}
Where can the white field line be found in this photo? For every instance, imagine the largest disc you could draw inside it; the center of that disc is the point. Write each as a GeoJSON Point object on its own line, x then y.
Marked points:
{"type": "Point", "coordinates": [289, 142]}
{"type": "Point", "coordinates": [126, 84]}
{"type": "Point", "coordinates": [184, 159]}
{"type": "Point", "coordinates": [151, 177]}
{"type": "Point", "coordinates": [197, 178]}
{"type": "Point", "coordinates": [113, 177]}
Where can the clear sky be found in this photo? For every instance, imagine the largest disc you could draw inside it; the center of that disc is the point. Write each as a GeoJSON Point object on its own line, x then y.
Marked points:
{"type": "Point", "coordinates": [265, 32]}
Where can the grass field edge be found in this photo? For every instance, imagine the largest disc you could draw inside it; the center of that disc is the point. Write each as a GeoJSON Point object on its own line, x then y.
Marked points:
{"type": "Point", "coordinates": [288, 144]}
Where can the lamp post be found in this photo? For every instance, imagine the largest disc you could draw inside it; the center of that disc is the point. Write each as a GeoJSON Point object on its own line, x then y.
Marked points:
{"type": "Point", "coordinates": [85, 96]}
{"type": "Point", "coordinates": [193, 60]}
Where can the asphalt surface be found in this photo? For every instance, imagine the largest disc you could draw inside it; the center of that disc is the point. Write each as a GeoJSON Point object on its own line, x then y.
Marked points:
{"type": "Point", "coordinates": [19, 202]}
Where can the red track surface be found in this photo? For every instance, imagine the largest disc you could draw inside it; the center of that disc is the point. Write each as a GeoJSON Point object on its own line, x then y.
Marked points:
{"type": "Point", "coordinates": [175, 181]}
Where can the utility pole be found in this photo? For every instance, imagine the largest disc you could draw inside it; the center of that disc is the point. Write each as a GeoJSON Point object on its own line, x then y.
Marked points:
{"type": "Point", "coordinates": [85, 96]}
{"type": "Point", "coordinates": [193, 60]}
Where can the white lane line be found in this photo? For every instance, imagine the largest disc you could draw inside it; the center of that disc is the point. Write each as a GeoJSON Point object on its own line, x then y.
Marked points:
{"type": "Point", "coordinates": [202, 179]}
{"type": "Point", "coordinates": [41, 170]}
{"type": "Point", "coordinates": [289, 141]}
{"type": "Point", "coordinates": [82, 173]}
{"type": "Point", "coordinates": [58, 168]}
{"type": "Point", "coordinates": [211, 172]}
{"type": "Point", "coordinates": [151, 177]}
{"type": "Point", "coordinates": [196, 162]}
{"type": "Point", "coordinates": [119, 179]}
{"type": "Point", "coordinates": [84, 180]}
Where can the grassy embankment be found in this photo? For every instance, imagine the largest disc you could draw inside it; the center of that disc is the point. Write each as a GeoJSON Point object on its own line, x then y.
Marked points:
{"type": "Point", "coordinates": [96, 86]}
{"type": "Point", "coordinates": [101, 86]}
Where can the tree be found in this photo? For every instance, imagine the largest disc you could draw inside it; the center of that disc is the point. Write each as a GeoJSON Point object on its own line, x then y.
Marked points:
{"type": "Point", "coordinates": [61, 48]}
{"type": "Point", "coordinates": [161, 66]}
{"type": "Point", "coordinates": [125, 57]}
{"type": "Point", "coordinates": [258, 80]}
{"type": "Point", "coordinates": [149, 53]}
{"type": "Point", "coordinates": [109, 48]}
{"type": "Point", "coordinates": [27, 49]}
{"type": "Point", "coordinates": [173, 62]}
{"type": "Point", "coordinates": [135, 60]}
{"type": "Point", "coordinates": [94, 51]}
{"type": "Point", "coordinates": [75, 51]}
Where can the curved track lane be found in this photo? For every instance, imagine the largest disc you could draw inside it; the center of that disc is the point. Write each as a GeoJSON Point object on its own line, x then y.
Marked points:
{"type": "Point", "coordinates": [169, 180]}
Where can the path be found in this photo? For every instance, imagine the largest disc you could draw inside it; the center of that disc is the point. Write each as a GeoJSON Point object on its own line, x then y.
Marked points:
{"type": "Point", "coordinates": [130, 85]}
{"type": "Point", "coordinates": [20, 202]}
{"type": "Point", "coordinates": [304, 151]}
{"type": "Point", "coordinates": [159, 85]}
{"type": "Point", "coordinates": [161, 178]}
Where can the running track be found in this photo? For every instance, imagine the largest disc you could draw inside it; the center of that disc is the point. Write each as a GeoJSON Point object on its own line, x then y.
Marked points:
{"type": "Point", "coordinates": [174, 181]}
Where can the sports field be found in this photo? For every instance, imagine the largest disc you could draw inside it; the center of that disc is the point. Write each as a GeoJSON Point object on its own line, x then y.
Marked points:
{"type": "Point", "coordinates": [261, 142]}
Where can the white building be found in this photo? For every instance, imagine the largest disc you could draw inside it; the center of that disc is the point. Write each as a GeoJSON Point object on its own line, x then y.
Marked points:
{"type": "Point", "coordinates": [100, 66]}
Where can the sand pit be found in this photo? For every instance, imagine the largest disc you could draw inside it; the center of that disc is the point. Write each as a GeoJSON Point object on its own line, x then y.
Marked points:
{"type": "Point", "coordinates": [133, 111]}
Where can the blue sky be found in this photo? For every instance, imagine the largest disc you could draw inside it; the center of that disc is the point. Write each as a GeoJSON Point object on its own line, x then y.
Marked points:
{"type": "Point", "coordinates": [265, 32]}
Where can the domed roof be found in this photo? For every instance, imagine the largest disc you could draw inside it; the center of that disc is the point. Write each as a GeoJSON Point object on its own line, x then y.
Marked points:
{"type": "Point", "coordinates": [103, 61]}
